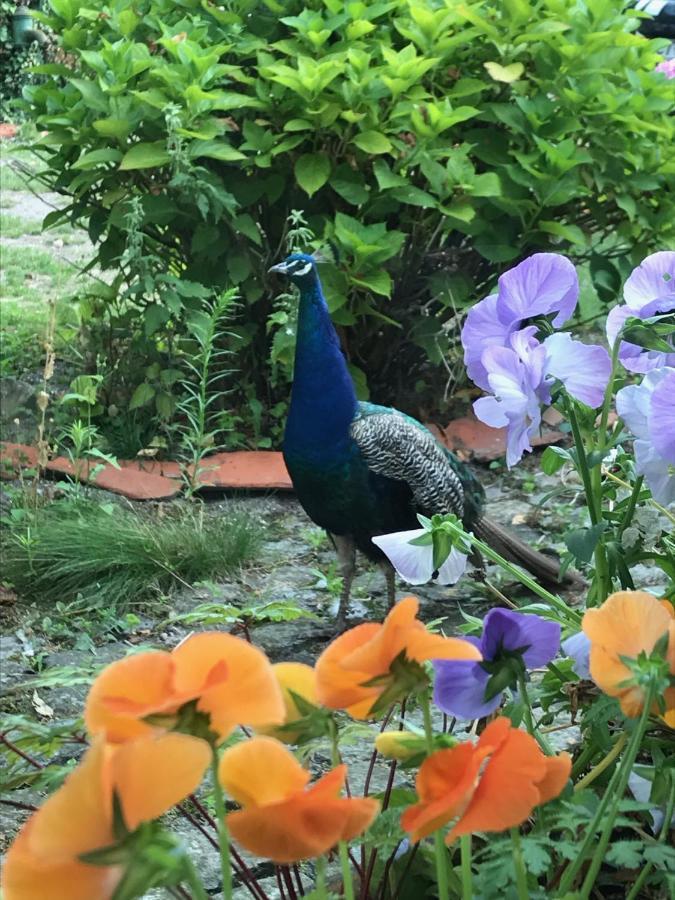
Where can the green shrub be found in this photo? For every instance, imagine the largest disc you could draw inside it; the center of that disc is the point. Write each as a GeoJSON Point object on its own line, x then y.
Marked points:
{"type": "Point", "coordinates": [432, 141]}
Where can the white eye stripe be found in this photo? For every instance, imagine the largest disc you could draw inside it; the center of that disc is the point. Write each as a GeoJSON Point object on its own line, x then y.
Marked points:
{"type": "Point", "coordinates": [304, 270]}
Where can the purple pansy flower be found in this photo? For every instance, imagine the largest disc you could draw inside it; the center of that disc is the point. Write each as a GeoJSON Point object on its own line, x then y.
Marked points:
{"type": "Point", "coordinates": [508, 638]}
{"type": "Point", "coordinates": [648, 409]}
{"type": "Point", "coordinates": [544, 283]}
{"type": "Point", "coordinates": [649, 290]}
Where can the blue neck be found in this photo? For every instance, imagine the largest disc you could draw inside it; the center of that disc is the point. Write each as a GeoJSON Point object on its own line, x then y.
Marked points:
{"type": "Point", "coordinates": [323, 401]}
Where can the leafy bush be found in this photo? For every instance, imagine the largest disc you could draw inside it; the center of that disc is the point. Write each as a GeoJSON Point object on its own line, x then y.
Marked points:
{"type": "Point", "coordinates": [431, 141]}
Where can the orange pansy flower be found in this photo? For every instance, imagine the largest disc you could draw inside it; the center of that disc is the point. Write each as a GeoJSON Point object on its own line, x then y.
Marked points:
{"type": "Point", "coordinates": [281, 818]}
{"type": "Point", "coordinates": [367, 652]}
{"type": "Point", "coordinates": [629, 623]}
{"type": "Point", "coordinates": [149, 776]}
{"type": "Point", "coordinates": [294, 678]}
{"type": "Point", "coordinates": [491, 786]}
{"type": "Point", "coordinates": [231, 680]}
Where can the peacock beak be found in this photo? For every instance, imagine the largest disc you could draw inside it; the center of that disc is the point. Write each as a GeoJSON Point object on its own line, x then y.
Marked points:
{"type": "Point", "coordinates": [281, 268]}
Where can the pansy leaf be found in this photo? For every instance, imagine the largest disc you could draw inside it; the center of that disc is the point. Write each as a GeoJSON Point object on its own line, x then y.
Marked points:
{"type": "Point", "coordinates": [582, 541]}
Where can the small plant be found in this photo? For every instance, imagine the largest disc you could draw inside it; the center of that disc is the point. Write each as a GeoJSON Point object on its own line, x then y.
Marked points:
{"type": "Point", "coordinates": [110, 556]}
{"type": "Point", "coordinates": [198, 430]}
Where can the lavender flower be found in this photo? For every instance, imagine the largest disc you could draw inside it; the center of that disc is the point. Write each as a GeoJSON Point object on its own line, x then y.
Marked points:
{"type": "Point", "coordinates": [544, 283]}
{"type": "Point", "coordinates": [510, 362]}
{"type": "Point", "coordinates": [519, 378]}
{"type": "Point", "coordinates": [649, 290]}
{"type": "Point", "coordinates": [511, 643]}
{"type": "Point", "coordinates": [667, 68]}
{"type": "Point", "coordinates": [648, 410]}
{"type": "Point", "coordinates": [578, 647]}
{"type": "Point", "coordinates": [414, 562]}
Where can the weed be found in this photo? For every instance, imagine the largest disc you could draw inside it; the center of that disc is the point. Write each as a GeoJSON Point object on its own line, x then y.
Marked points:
{"type": "Point", "coordinates": [110, 556]}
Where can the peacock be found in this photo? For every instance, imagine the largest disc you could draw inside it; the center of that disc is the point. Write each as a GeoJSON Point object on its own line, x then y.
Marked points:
{"type": "Point", "coordinates": [360, 470]}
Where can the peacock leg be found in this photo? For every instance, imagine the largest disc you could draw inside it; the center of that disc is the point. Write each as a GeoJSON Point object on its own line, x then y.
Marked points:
{"type": "Point", "coordinates": [390, 575]}
{"type": "Point", "coordinates": [346, 554]}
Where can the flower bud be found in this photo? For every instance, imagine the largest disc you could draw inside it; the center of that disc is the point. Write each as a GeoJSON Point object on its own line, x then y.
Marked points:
{"type": "Point", "coordinates": [400, 745]}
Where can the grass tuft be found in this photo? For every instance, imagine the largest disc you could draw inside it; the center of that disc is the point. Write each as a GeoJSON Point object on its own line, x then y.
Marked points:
{"type": "Point", "coordinates": [114, 557]}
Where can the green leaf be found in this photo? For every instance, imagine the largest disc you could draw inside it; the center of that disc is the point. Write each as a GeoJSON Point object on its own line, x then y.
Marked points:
{"type": "Point", "coordinates": [372, 142]}
{"type": "Point", "coordinates": [554, 458]}
{"type": "Point", "coordinates": [625, 854]}
{"type": "Point", "coordinates": [142, 395]}
{"type": "Point", "coordinates": [506, 74]}
{"type": "Point", "coordinates": [312, 171]}
{"type": "Point", "coordinates": [145, 156]}
{"type": "Point", "coordinates": [493, 251]}
{"type": "Point", "coordinates": [379, 282]}
{"type": "Point", "coordinates": [571, 233]}
{"type": "Point", "coordinates": [215, 150]}
{"type": "Point", "coordinates": [297, 125]}
{"type": "Point", "coordinates": [97, 157]}
{"type": "Point", "coordinates": [582, 541]}
{"type": "Point", "coordinates": [414, 196]}
{"type": "Point", "coordinates": [155, 316]}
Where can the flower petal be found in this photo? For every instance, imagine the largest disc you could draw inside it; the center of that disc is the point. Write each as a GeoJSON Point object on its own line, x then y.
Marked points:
{"type": "Point", "coordinates": [578, 646]}
{"type": "Point", "coordinates": [127, 690]}
{"type": "Point", "coordinates": [584, 369]}
{"type": "Point", "coordinates": [77, 817]}
{"type": "Point", "coordinates": [506, 629]}
{"type": "Point", "coordinates": [27, 875]}
{"type": "Point", "coordinates": [234, 681]}
{"type": "Point", "coordinates": [445, 784]}
{"type": "Point", "coordinates": [459, 689]}
{"type": "Point", "coordinates": [153, 774]}
{"type": "Point", "coordinates": [542, 284]}
{"type": "Point", "coordinates": [662, 423]}
{"type": "Point", "coordinates": [414, 563]}
{"type": "Point", "coordinates": [653, 279]}
{"type": "Point", "coordinates": [453, 568]}
{"type": "Point", "coordinates": [304, 826]}
{"type": "Point", "coordinates": [482, 329]}
{"type": "Point", "coordinates": [628, 623]}
{"type": "Point", "coordinates": [260, 772]}
{"type": "Point", "coordinates": [507, 791]}
{"type": "Point", "coordinates": [558, 769]}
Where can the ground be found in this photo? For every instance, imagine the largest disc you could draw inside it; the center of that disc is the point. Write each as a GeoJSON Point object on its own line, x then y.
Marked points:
{"type": "Point", "coordinates": [296, 564]}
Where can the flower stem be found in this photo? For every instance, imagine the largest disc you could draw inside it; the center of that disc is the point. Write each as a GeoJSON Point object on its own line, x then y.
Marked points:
{"type": "Point", "coordinates": [604, 763]}
{"type": "Point", "coordinates": [467, 875]}
{"type": "Point", "coordinates": [569, 616]}
{"type": "Point", "coordinates": [615, 789]}
{"type": "Point", "coordinates": [519, 866]}
{"type": "Point", "coordinates": [343, 848]}
{"type": "Point", "coordinates": [439, 846]}
{"type": "Point", "coordinates": [592, 481]}
{"type": "Point", "coordinates": [624, 773]}
{"type": "Point", "coordinates": [320, 877]}
{"type": "Point", "coordinates": [223, 833]}
{"type": "Point", "coordinates": [665, 828]}
{"type": "Point", "coordinates": [529, 719]}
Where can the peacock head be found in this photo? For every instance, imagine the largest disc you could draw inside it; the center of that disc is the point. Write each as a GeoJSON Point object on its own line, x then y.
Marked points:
{"type": "Point", "coordinates": [299, 267]}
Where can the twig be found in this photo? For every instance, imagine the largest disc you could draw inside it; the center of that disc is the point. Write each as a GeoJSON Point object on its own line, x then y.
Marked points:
{"type": "Point", "coordinates": [19, 752]}
{"type": "Point", "coordinates": [17, 805]}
